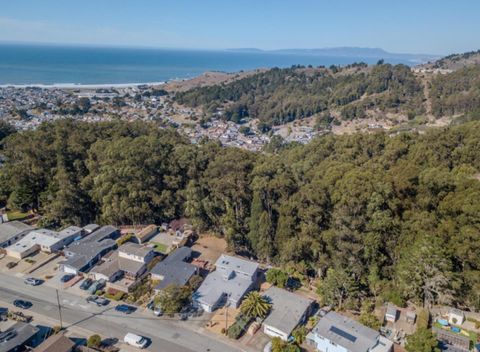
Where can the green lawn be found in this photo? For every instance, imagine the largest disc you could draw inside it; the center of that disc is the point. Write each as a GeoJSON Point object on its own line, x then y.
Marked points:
{"type": "Point", "coordinates": [160, 247]}
{"type": "Point", "coordinates": [16, 215]}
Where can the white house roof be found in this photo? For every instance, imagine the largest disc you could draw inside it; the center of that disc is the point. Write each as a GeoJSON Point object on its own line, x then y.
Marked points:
{"type": "Point", "coordinates": [229, 263]}
{"type": "Point", "coordinates": [346, 332]}
{"type": "Point", "coordinates": [232, 277]}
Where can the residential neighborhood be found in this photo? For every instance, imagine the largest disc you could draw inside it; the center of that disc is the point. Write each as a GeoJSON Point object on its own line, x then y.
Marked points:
{"type": "Point", "coordinates": [135, 269]}
{"type": "Point", "coordinates": [27, 107]}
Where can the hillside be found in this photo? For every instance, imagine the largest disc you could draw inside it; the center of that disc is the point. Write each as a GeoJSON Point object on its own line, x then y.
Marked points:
{"type": "Point", "coordinates": [454, 62]}
{"type": "Point", "coordinates": [279, 96]}
{"type": "Point", "coordinates": [339, 95]}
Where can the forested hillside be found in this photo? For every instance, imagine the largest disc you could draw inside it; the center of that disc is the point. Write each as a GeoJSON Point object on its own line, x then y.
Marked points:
{"type": "Point", "coordinates": [368, 214]}
{"type": "Point", "coordinates": [278, 96]}
{"type": "Point", "coordinates": [282, 95]}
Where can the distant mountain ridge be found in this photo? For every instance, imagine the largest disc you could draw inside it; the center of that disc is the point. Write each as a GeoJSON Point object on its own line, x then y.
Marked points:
{"type": "Point", "coordinates": [355, 52]}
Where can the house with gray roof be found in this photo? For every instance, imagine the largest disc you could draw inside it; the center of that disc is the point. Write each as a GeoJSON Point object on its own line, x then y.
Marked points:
{"type": "Point", "coordinates": [288, 311]}
{"type": "Point", "coordinates": [174, 269]}
{"type": "Point", "coordinates": [337, 333]}
{"type": "Point", "coordinates": [44, 240]}
{"type": "Point", "coordinates": [232, 279]}
{"type": "Point", "coordinates": [11, 232]}
{"type": "Point", "coordinates": [123, 267]}
{"type": "Point", "coordinates": [82, 255]}
{"type": "Point", "coordinates": [19, 337]}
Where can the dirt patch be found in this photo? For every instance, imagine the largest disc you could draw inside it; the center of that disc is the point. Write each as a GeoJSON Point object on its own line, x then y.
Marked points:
{"type": "Point", "coordinates": [210, 248]}
{"type": "Point", "coordinates": [222, 319]}
{"type": "Point", "coordinates": [208, 79]}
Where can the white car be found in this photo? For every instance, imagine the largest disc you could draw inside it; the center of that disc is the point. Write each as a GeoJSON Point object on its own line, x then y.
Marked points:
{"type": "Point", "coordinates": [158, 311]}
{"type": "Point", "coordinates": [135, 340]}
{"type": "Point", "coordinates": [32, 281]}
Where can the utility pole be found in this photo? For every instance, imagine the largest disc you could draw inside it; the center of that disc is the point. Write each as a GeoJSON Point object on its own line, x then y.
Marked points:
{"type": "Point", "coordinates": [59, 310]}
{"type": "Point", "coordinates": [226, 316]}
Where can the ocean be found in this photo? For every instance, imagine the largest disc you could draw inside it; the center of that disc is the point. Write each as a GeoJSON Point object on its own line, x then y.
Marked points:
{"type": "Point", "coordinates": [66, 65]}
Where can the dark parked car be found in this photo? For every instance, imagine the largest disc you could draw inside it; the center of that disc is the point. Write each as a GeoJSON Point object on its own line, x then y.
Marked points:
{"type": "Point", "coordinates": [86, 284]}
{"type": "Point", "coordinates": [20, 303]}
{"type": "Point", "coordinates": [66, 277]}
{"type": "Point", "coordinates": [97, 285]}
{"type": "Point", "coordinates": [123, 308]}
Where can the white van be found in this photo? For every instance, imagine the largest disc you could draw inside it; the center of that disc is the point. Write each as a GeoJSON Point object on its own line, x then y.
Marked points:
{"type": "Point", "coordinates": [135, 340]}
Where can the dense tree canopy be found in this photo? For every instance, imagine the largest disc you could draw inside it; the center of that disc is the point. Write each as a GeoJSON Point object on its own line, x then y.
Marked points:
{"type": "Point", "coordinates": [368, 214]}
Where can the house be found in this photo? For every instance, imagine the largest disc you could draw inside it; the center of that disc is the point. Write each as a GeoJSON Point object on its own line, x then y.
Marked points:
{"type": "Point", "coordinates": [44, 240]}
{"type": "Point", "coordinates": [56, 343]}
{"type": "Point", "coordinates": [232, 279]}
{"type": "Point", "coordinates": [82, 255]}
{"type": "Point", "coordinates": [19, 337]}
{"type": "Point", "coordinates": [11, 232]}
{"type": "Point", "coordinates": [456, 316]}
{"type": "Point", "coordinates": [145, 234]}
{"type": "Point", "coordinates": [288, 311]}
{"type": "Point", "coordinates": [391, 314]}
{"type": "Point", "coordinates": [175, 269]}
{"type": "Point", "coordinates": [411, 316]}
{"type": "Point", "coordinates": [123, 267]}
{"type": "Point", "coordinates": [337, 333]}
{"type": "Point", "coordinates": [451, 341]}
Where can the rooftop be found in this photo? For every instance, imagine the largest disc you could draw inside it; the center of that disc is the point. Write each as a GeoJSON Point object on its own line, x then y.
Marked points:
{"type": "Point", "coordinates": [287, 309]}
{"type": "Point", "coordinates": [20, 334]}
{"type": "Point", "coordinates": [346, 332]}
{"type": "Point", "coordinates": [56, 343]}
{"type": "Point", "coordinates": [174, 269]}
{"type": "Point", "coordinates": [229, 263]}
{"type": "Point", "coordinates": [13, 228]}
{"type": "Point", "coordinates": [232, 277]}
{"type": "Point", "coordinates": [80, 253]}
{"type": "Point", "coordinates": [134, 249]}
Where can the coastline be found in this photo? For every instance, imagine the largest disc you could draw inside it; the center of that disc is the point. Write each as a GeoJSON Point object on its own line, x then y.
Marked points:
{"type": "Point", "coordinates": [84, 86]}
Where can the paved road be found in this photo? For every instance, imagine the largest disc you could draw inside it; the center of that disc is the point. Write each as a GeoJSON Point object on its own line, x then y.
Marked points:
{"type": "Point", "coordinates": [165, 335]}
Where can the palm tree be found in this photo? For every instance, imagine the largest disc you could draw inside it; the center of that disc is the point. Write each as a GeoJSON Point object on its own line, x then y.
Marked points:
{"type": "Point", "coordinates": [255, 305]}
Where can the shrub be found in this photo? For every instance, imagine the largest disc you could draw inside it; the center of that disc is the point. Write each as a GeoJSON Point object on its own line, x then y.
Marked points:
{"type": "Point", "coordinates": [236, 330]}
{"type": "Point", "coordinates": [124, 239]}
{"type": "Point", "coordinates": [118, 296]}
{"type": "Point", "coordinates": [94, 341]}
{"type": "Point", "coordinates": [277, 277]}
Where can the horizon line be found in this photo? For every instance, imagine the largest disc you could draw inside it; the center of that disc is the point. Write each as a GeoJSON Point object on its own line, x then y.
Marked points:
{"type": "Point", "coordinates": [154, 47]}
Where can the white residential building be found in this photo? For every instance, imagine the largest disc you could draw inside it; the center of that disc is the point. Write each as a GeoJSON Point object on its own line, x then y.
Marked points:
{"type": "Point", "coordinates": [228, 284]}
{"type": "Point", "coordinates": [337, 333]}
{"type": "Point", "coordinates": [43, 240]}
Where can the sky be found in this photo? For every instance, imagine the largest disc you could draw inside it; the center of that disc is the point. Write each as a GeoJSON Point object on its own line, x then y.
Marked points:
{"type": "Point", "coordinates": [400, 26]}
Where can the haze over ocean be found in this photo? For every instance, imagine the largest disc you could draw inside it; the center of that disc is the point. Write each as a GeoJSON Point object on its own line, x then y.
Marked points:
{"type": "Point", "coordinates": [38, 64]}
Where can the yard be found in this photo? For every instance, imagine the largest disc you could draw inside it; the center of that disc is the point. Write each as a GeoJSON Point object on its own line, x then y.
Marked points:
{"type": "Point", "coordinates": [17, 215]}
{"type": "Point", "coordinates": [160, 247]}
{"type": "Point", "coordinates": [210, 248]}
{"type": "Point", "coordinates": [470, 334]}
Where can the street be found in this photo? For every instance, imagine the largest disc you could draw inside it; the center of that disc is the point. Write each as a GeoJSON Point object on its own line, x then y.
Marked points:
{"type": "Point", "coordinates": [165, 335]}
